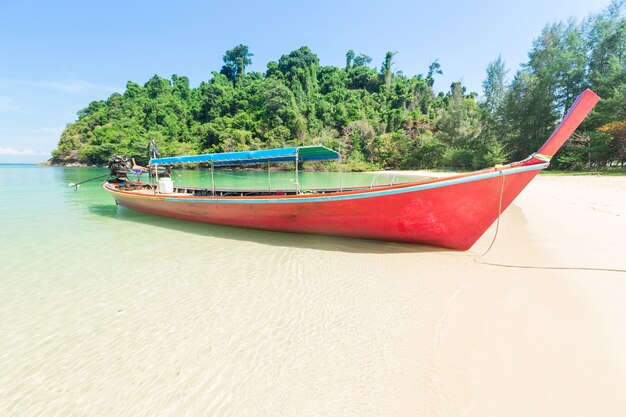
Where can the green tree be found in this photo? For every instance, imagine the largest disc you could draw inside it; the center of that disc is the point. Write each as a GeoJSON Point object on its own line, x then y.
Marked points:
{"type": "Point", "coordinates": [494, 88]}
{"type": "Point", "coordinates": [235, 62]}
{"type": "Point", "coordinates": [386, 118]}
{"type": "Point", "coordinates": [362, 60]}
{"type": "Point", "coordinates": [433, 68]}
{"type": "Point", "coordinates": [386, 68]}
{"type": "Point", "coordinates": [349, 59]}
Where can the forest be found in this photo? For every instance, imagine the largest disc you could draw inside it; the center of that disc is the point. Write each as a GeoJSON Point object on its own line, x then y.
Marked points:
{"type": "Point", "coordinates": [377, 117]}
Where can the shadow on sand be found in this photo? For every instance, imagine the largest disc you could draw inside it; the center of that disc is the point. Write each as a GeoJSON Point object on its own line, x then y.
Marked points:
{"type": "Point", "coordinates": [304, 241]}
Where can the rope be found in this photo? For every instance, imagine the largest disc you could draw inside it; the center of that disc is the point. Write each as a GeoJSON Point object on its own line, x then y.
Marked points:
{"type": "Point", "coordinates": [560, 268]}
{"type": "Point", "coordinates": [495, 235]}
{"type": "Point", "coordinates": [101, 176]}
{"type": "Point", "coordinates": [75, 185]}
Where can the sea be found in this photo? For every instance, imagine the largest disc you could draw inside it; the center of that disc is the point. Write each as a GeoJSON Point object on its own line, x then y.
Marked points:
{"type": "Point", "coordinates": [107, 311]}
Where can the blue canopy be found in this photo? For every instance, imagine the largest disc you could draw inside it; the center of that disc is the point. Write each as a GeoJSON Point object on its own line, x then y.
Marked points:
{"type": "Point", "coordinates": [302, 153]}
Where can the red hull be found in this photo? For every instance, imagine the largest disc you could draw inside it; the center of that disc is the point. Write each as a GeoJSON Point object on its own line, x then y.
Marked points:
{"type": "Point", "coordinates": [449, 215]}
{"type": "Point", "coordinates": [452, 212]}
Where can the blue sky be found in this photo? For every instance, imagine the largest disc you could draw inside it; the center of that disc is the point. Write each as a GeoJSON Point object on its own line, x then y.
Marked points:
{"type": "Point", "coordinates": [57, 56]}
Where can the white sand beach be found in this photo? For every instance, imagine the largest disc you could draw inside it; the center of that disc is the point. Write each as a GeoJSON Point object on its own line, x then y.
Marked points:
{"type": "Point", "coordinates": [210, 321]}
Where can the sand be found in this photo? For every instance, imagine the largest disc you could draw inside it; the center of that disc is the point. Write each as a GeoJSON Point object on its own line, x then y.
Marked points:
{"type": "Point", "coordinates": [520, 342]}
{"type": "Point", "coordinates": [240, 323]}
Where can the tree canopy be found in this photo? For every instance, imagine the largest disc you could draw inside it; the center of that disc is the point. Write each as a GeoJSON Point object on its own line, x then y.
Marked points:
{"type": "Point", "coordinates": [376, 117]}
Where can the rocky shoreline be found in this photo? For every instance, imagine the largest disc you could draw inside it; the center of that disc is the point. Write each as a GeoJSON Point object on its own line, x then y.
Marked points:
{"type": "Point", "coordinates": [53, 163]}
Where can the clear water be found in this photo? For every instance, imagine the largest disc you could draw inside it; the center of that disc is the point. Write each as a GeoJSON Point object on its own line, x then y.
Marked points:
{"type": "Point", "coordinates": [48, 228]}
{"type": "Point", "coordinates": [40, 216]}
{"type": "Point", "coordinates": [107, 311]}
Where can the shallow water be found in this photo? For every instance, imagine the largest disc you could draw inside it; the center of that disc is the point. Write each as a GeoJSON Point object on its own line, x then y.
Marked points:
{"type": "Point", "coordinates": [109, 312]}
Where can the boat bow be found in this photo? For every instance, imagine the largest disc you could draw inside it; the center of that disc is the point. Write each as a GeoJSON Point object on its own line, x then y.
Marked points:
{"type": "Point", "coordinates": [582, 106]}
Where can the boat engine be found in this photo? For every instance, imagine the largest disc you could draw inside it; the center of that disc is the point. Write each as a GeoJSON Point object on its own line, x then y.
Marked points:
{"type": "Point", "coordinates": [120, 165]}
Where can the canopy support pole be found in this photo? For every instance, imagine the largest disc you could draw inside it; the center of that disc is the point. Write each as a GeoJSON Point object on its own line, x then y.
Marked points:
{"type": "Point", "coordinates": [340, 170]}
{"type": "Point", "coordinates": [156, 178]}
{"type": "Point", "coordinates": [297, 182]}
{"type": "Point", "coordinates": [340, 175]}
{"type": "Point", "coordinates": [212, 179]}
{"type": "Point", "coordinates": [269, 181]}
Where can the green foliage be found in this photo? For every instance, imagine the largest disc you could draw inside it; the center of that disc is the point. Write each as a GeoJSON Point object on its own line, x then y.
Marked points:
{"type": "Point", "coordinates": [376, 118]}
{"type": "Point", "coordinates": [385, 70]}
{"type": "Point", "coordinates": [235, 62]}
{"type": "Point", "coordinates": [458, 158]}
{"type": "Point", "coordinates": [565, 59]}
{"type": "Point", "coordinates": [428, 154]}
{"type": "Point", "coordinates": [601, 149]}
{"type": "Point", "coordinates": [490, 153]}
{"type": "Point", "coordinates": [493, 86]}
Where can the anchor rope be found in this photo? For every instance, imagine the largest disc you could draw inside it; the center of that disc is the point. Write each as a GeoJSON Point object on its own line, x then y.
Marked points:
{"type": "Point", "coordinates": [495, 235]}
{"type": "Point", "coordinates": [76, 184]}
{"type": "Point", "coordinates": [479, 260]}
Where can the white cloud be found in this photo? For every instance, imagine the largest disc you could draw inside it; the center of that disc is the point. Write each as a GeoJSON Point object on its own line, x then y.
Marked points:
{"type": "Point", "coordinates": [16, 151]}
{"type": "Point", "coordinates": [76, 86]}
{"type": "Point", "coordinates": [53, 130]}
{"type": "Point", "coordinates": [66, 86]}
{"type": "Point", "coordinates": [9, 105]}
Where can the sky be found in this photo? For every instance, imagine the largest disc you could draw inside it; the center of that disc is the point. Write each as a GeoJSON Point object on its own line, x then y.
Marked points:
{"type": "Point", "coordinates": [58, 56]}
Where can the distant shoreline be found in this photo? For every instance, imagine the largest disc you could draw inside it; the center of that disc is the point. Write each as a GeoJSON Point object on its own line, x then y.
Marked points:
{"type": "Point", "coordinates": [419, 172]}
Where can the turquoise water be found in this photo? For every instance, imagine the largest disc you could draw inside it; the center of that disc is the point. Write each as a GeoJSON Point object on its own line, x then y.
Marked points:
{"type": "Point", "coordinates": [46, 227]}
{"type": "Point", "coordinates": [41, 217]}
{"type": "Point", "coordinates": [107, 311]}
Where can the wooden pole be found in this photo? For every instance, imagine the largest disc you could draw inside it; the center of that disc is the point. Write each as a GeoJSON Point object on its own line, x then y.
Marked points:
{"type": "Point", "coordinates": [212, 179]}
{"type": "Point", "coordinates": [297, 182]}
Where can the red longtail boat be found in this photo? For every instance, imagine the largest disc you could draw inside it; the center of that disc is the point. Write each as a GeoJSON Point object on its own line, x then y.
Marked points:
{"type": "Point", "coordinates": [450, 212]}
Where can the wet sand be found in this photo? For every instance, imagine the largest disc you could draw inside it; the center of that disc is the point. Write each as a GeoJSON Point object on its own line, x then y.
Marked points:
{"type": "Point", "coordinates": [242, 323]}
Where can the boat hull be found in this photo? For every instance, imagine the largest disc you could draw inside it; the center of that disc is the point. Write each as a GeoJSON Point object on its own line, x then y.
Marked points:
{"type": "Point", "coordinates": [451, 213]}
